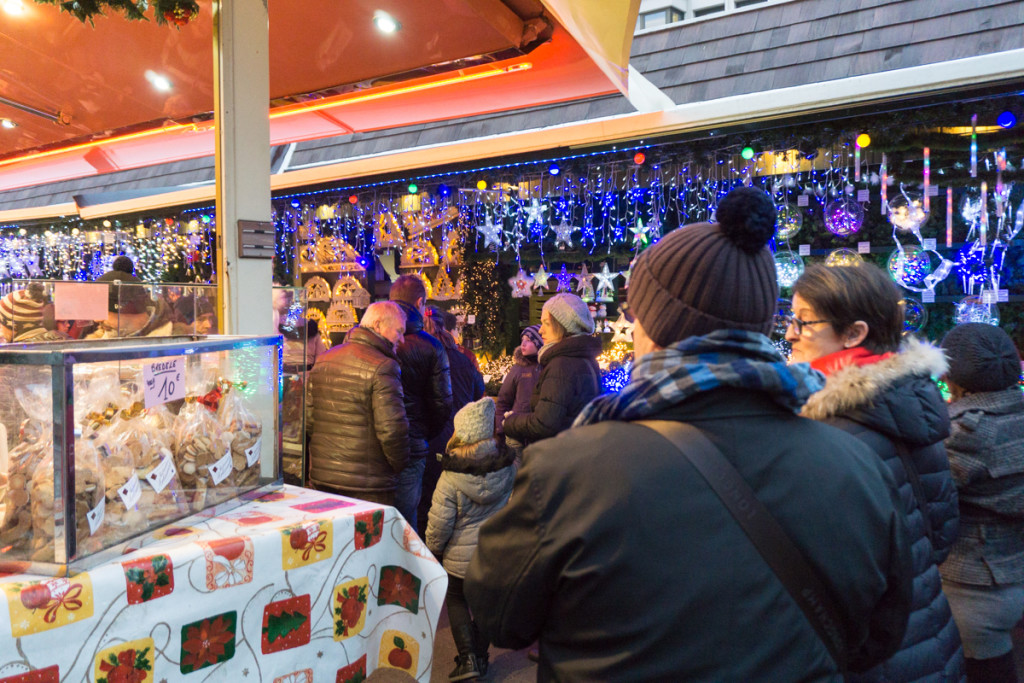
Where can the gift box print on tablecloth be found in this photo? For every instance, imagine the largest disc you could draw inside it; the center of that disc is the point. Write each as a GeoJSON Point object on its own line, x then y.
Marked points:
{"type": "Point", "coordinates": [42, 605]}
{"type": "Point", "coordinates": [399, 651]}
{"type": "Point", "coordinates": [306, 543]}
{"type": "Point", "coordinates": [398, 586]}
{"type": "Point", "coordinates": [304, 676]}
{"type": "Point", "coordinates": [148, 578]}
{"type": "Point", "coordinates": [125, 663]}
{"type": "Point", "coordinates": [353, 673]}
{"type": "Point", "coordinates": [208, 641]}
{"type": "Point", "coordinates": [228, 561]}
{"type": "Point", "coordinates": [50, 674]}
{"type": "Point", "coordinates": [350, 608]}
{"type": "Point", "coordinates": [285, 624]}
{"type": "Point", "coordinates": [322, 505]}
{"type": "Point", "coordinates": [369, 527]}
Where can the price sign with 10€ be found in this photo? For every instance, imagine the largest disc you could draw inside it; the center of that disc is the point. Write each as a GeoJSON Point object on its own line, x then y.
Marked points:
{"type": "Point", "coordinates": [163, 381]}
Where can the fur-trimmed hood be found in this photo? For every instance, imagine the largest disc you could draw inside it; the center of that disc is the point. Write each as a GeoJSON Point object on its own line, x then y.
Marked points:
{"type": "Point", "coordinates": [895, 396]}
{"type": "Point", "coordinates": [482, 470]}
{"type": "Point", "coordinates": [520, 359]}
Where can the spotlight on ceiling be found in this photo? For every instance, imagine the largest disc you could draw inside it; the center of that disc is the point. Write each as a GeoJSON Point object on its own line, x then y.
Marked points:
{"type": "Point", "coordinates": [13, 7]}
{"type": "Point", "coordinates": [7, 123]}
{"type": "Point", "coordinates": [158, 81]}
{"type": "Point", "coordinates": [384, 22]}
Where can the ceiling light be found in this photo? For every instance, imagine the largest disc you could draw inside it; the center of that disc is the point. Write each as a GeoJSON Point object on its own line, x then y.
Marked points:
{"type": "Point", "coordinates": [158, 81]}
{"type": "Point", "coordinates": [13, 7]}
{"type": "Point", "coordinates": [384, 22]}
{"type": "Point", "coordinates": [7, 123]}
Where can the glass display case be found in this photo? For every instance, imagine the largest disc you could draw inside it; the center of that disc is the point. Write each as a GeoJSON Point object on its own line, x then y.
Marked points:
{"type": "Point", "coordinates": [107, 440]}
{"type": "Point", "coordinates": [303, 343]}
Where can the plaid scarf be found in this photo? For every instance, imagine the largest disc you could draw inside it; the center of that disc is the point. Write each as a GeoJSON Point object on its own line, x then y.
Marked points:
{"type": "Point", "coordinates": [724, 358]}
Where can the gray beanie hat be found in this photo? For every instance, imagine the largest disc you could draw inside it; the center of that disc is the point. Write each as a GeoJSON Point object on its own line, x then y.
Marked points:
{"type": "Point", "coordinates": [571, 312]}
{"type": "Point", "coordinates": [982, 357]}
{"type": "Point", "coordinates": [474, 422]}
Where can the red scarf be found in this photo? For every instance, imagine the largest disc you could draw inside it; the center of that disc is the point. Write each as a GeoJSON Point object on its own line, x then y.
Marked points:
{"type": "Point", "coordinates": [858, 355]}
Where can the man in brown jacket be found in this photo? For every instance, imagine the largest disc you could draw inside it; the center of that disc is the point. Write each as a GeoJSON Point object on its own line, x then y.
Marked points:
{"type": "Point", "coordinates": [360, 434]}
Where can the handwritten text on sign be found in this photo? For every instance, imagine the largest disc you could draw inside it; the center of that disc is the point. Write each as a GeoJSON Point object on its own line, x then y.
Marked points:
{"type": "Point", "coordinates": [164, 380]}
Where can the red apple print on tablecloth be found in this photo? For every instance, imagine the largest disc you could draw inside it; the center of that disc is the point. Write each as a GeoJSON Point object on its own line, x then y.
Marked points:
{"type": "Point", "coordinates": [398, 650]}
{"type": "Point", "coordinates": [148, 578]}
{"type": "Point", "coordinates": [50, 674]}
{"type": "Point", "coordinates": [353, 673]}
{"type": "Point", "coordinates": [285, 624]}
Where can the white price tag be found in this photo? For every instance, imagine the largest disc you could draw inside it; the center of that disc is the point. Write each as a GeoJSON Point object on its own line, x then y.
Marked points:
{"type": "Point", "coordinates": [803, 200]}
{"type": "Point", "coordinates": [933, 190]}
{"type": "Point", "coordinates": [96, 515]}
{"type": "Point", "coordinates": [805, 250]}
{"type": "Point", "coordinates": [928, 297]}
{"type": "Point", "coordinates": [130, 492]}
{"type": "Point", "coordinates": [863, 195]}
{"type": "Point", "coordinates": [220, 470]}
{"type": "Point", "coordinates": [471, 319]}
{"type": "Point", "coordinates": [928, 243]}
{"type": "Point", "coordinates": [863, 247]}
{"type": "Point", "coordinates": [252, 454]}
{"type": "Point", "coordinates": [163, 381]}
{"type": "Point", "coordinates": [162, 474]}
{"type": "Point", "coordinates": [1003, 296]}
{"type": "Point", "coordinates": [989, 297]}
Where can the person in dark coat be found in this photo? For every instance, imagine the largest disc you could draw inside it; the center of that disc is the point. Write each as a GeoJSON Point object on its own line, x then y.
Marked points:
{"type": "Point", "coordinates": [983, 577]}
{"type": "Point", "coordinates": [517, 386]}
{"type": "Point", "coordinates": [621, 559]}
{"type": "Point", "coordinates": [569, 376]}
{"type": "Point", "coordinates": [467, 386]}
{"type": "Point", "coordinates": [356, 411]}
{"type": "Point", "coordinates": [427, 386]}
{"type": "Point", "coordinates": [847, 322]}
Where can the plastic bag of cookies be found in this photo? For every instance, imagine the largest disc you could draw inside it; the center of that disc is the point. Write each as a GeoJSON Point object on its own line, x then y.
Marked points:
{"type": "Point", "coordinates": [34, 443]}
{"type": "Point", "coordinates": [203, 454]}
{"type": "Point", "coordinates": [245, 432]}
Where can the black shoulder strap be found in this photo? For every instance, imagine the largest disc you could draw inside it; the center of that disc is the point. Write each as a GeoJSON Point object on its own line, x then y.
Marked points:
{"type": "Point", "coordinates": [770, 539]}
{"type": "Point", "coordinates": [914, 477]}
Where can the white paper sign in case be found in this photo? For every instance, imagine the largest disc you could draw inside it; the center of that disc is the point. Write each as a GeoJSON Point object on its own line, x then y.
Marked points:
{"type": "Point", "coordinates": [163, 381]}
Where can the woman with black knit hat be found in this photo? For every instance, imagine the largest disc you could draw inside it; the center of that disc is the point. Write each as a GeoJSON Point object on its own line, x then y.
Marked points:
{"type": "Point", "coordinates": [983, 577]}
{"type": "Point", "coordinates": [617, 555]}
{"type": "Point", "coordinates": [569, 376]}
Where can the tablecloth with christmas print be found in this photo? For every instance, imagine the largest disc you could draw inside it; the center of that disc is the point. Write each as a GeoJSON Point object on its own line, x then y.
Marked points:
{"type": "Point", "coordinates": [298, 586]}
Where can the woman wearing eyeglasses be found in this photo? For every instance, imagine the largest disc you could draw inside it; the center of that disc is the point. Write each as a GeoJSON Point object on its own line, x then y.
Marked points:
{"type": "Point", "coordinates": [847, 322]}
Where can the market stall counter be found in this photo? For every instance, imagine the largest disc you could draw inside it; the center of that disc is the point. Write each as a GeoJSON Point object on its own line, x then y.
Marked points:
{"type": "Point", "coordinates": [294, 586]}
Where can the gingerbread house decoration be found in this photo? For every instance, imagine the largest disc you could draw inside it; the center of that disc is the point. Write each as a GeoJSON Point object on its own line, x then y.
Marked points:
{"type": "Point", "coordinates": [350, 290]}
{"type": "Point", "coordinates": [317, 289]}
{"type": "Point", "coordinates": [341, 316]}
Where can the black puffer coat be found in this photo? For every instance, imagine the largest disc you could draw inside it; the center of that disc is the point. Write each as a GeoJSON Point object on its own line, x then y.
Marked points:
{"type": "Point", "coordinates": [360, 436]}
{"type": "Point", "coordinates": [426, 381]}
{"type": "Point", "coordinates": [569, 379]}
{"type": "Point", "coordinates": [886, 403]}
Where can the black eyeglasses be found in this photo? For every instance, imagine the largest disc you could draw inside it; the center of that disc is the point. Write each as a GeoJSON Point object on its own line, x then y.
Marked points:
{"type": "Point", "coordinates": [800, 324]}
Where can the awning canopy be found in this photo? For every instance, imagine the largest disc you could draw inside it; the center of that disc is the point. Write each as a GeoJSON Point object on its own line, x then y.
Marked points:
{"type": "Point", "coordinates": [124, 94]}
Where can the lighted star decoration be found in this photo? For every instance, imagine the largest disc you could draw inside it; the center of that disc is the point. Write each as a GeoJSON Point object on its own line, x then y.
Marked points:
{"type": "Point", "coordinates": [606, 278]}
{"type": "Point", "coordinates": [490, 232]}
{"type": "Point", "coordinates": [623, 329]}
{"type": "Point", "coordinates": [564, 280]}
{"type": "Point", "coordinates": [521, 284]}
{"type": "Point", "coordinates": [534, 212]}
{"type": "Point", "coordinates": [540, 278]}
{"type": "Point", "coordinates": [584, 280]}
{"type": "Point", "coordinates": [640, 233]}
{"type": "Point", "coordinates": [563, 234]}
{"type": "Point", "coordinates": [628, 272]}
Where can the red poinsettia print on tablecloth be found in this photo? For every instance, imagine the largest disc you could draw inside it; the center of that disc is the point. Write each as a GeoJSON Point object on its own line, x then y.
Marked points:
{"type": "Point", "coordinates": [399, 587]}
{"type": "Point", "coordinates": [208, 642]}
{"type": "Point", "coordinates": [369, 527]}
{"type": "Point", "coordinates": [148, 578]}
{"type": "Point", "coordinates": [353, 673]}
{"type": "Point", "coordinates": [50, 674]}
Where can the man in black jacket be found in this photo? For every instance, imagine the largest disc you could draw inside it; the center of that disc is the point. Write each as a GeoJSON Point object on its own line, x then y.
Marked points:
{"type": "Point", "coordinates": [427, 386]}
{"type": "Point", "coordinates": [617, 556]}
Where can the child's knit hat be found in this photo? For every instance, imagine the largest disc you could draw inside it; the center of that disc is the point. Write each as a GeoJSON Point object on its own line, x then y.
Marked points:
{"type": "Point", "coordinates": [474, 422]}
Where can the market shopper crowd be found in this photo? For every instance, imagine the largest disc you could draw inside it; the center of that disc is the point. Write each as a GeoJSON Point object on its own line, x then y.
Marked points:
{"type": "Point", "coordinates": [595, 525]}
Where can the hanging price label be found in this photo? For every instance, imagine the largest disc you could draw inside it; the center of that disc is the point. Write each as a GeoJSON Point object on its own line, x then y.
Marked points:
{"type": "Point", "coordinates": [928, 243]}
{"type": "Point", "coordinates": [130, 492]}
{"type": "Point", "coordinates": [96, 515]}
{"type": "Point", "coordinates": [163, 381]}
{"type": "Point", "coordinates": [928, 297]}
{"type": "Point", "coordinates": [805, 250]}
{"type": "Point", "coordinates": [863, 247]}
{"type": "Point", "coordinates": [863, 195]}
{"type": "Point", "coordinates": [162, 474]}
{"type": "Point", "coordinates": [933, 190]}
{"type": "Point", "coordinates": [220, 470]}
{"type": "Point", "coordinates": [1003, 296]}
{"type": "Point", "coordinates": [252, 454]}
{"type": "Point", "coordinates": [803, 200]}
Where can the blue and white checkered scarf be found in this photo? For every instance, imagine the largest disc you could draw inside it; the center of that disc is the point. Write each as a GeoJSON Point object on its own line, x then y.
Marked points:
{"type": "Point", "coordinates": [724, 358]}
